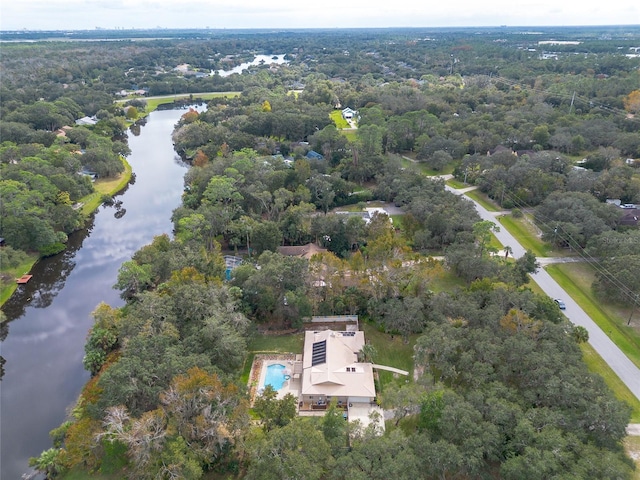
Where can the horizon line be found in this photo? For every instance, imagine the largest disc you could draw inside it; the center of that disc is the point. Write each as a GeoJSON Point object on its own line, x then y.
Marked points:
{"type": "Point", "coordinates": [159, 28]}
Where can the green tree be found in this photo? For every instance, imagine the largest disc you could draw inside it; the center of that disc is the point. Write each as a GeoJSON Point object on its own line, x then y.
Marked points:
{"type": "Point", "coordinates": [133, 279]}
{"type": "Point", "coordinates": [49, 462]}
{"type": "Point", "coordinates": [404, 400]}
{"type": "Point", "coordinates": [297, 450]}
{"type": "Point", "coordinates": [274, 412]}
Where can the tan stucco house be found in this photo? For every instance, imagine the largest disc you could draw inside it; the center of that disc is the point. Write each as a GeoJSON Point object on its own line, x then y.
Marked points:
{"type": "Point", "coordinates": [331, 370]}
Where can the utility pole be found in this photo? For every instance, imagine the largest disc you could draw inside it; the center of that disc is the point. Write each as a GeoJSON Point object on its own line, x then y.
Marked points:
{"type": "Point", "coordinates": [572, 99]}
{"type": "Point", "coordinates": [633, 309]}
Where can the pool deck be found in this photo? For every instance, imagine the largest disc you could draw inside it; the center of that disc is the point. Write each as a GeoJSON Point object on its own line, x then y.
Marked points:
{"type": "Point", "coordinates": [259, 371]}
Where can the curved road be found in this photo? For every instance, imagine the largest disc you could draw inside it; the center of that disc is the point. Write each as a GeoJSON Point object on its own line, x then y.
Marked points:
{"type": "Point", "coordinates": [609, 351]}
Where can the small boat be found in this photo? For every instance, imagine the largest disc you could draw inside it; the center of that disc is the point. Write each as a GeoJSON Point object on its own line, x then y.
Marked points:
{"type": "Point", "coordinates": [23, 279]}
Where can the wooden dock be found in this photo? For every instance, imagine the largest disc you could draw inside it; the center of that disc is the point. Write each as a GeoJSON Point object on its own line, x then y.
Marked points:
{"type": "Point", "coordinates": [23, 279]}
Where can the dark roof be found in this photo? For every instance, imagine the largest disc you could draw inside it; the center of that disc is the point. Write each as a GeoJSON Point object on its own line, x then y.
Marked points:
{"type": "Point", "coordinates": [314, 155]}
{"type": "Point", "coordinates": [631, 217]}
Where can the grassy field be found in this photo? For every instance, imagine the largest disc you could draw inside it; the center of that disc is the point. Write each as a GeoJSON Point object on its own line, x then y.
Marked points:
{"type": "Point", "coordinates": [79, 474]}
{"type": "Point", "coordinates": [576, 279]}
{"type": "Point", "coordinates": [290, 343]}
{"type": "Point", "coordinates": [350, 135]}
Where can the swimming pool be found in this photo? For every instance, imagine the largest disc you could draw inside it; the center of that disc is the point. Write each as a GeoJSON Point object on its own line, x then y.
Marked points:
{"type": "Point", "coordinates": [275, 376]}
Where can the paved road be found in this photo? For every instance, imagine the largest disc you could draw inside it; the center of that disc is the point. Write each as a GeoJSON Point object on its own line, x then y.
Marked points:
{"type": "Point", "coordinates": [610, 353]}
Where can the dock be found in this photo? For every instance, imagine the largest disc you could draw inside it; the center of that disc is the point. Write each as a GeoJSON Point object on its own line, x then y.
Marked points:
{"type": "Point", "coordinates": [23, 279]}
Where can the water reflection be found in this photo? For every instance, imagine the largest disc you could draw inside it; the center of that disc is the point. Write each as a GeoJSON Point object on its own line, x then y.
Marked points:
{"type": "Point", "coordinates": [49, 317]}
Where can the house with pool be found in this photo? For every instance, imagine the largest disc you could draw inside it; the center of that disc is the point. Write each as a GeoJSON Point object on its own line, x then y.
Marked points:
{"type": "Point", "coordinates": [328, 369]}
{"type": "Point", "coordinates": [331, 370]}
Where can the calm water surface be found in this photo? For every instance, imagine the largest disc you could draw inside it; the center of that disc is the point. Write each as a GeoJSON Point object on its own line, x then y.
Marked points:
{"type": "Point", "coordinates": [43, 342]}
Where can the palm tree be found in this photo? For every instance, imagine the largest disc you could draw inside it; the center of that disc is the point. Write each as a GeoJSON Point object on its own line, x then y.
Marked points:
{"type": "Point", "coordinates": [367, 353]}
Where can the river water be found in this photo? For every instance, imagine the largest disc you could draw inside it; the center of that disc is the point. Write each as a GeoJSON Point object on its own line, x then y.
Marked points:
{"type": "Point", "coordinates": [49, 318]}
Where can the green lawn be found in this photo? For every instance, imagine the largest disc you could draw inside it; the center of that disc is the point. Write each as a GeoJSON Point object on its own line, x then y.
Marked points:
{"type": "Point", "coordinates": [336, 117]}
{"type": "Point", "coordinates": [390, 351]}
{"type": "Point", "coordinates": [576, 279]}
{"type": "Point", "coordinates": [596, 364]}
{"type": "Point", "coordinates": [107, 186]}
{"type": "Point", "coordinates": [290, 343]}
{"type": "Point", "coordinates": [447, 282]}
{"type": "Point", "coordinates": [350, 135]}
{"type": "Point", "coordinates": [9, 275]}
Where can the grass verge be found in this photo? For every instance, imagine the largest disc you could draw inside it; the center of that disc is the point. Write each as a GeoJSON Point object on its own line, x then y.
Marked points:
{"type": "Point", "coordinates": [456, 184]}
{"type": "Point", "coordinates": [576, 278]}
{"type": "Point", "coordinates": [596, 364]}
{"type": "Point", "coordinates": [526, 234]}
{"type": "Point", "coordinates": [483, 200]}
{"type": "Point", "coordinates": [632, 446]}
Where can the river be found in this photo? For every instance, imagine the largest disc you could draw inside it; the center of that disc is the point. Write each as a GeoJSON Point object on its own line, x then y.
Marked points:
{"type": "Point", "coordinates": [49, 318]}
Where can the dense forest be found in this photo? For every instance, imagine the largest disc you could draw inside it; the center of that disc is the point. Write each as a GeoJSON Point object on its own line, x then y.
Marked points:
{"type": "Point", "coordinates": [499, 388]}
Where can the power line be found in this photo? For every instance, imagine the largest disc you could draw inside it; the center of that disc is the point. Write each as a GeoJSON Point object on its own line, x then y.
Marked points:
{"type": "Point", "coordinates": [573, 97]}
{"type": "Point", "coordinates": [574, 244]}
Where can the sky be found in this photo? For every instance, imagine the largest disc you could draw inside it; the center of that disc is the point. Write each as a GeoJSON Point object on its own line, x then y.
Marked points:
{"type": "Point", "coordinates": [143, 14]}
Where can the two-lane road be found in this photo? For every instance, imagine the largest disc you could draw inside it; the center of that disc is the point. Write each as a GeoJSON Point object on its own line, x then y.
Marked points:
{"type": "Point", "coordinates": [609, 351]}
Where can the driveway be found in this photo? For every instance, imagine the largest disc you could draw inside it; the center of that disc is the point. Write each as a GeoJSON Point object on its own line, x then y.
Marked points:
{"type": "Point", "coordinates": [599, 340]}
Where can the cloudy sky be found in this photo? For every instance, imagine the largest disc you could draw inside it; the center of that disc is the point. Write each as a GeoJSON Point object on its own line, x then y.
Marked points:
{"type": "Point", "coordinates": [89, 14]}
